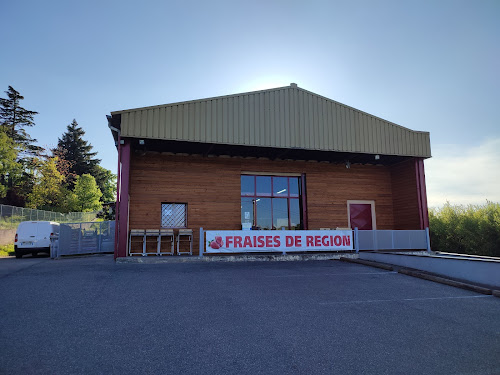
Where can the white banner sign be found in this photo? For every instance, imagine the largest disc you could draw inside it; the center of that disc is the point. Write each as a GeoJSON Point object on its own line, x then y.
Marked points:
{"type": "Point", "coordinates": [240, 241]}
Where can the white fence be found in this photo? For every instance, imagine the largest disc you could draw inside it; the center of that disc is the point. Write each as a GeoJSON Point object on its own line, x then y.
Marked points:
{"type": "Point", "coordinates": [84, 238]}
{"type": "Point", "coordinates": [392, 240]}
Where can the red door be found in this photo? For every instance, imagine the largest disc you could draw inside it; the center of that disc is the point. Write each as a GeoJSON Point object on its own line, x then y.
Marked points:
{"type": "Point", "coordinates": [361, 216]}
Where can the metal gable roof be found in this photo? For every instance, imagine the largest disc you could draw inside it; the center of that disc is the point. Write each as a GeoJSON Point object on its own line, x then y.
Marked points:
{"type": "Point", "coordinates": [285, 117]}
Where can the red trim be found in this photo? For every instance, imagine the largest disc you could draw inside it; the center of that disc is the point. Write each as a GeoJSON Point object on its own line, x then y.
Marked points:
{"type": "Point", "coordinates": [423, 212]}
{"type": "Point", "coordinates": [117, 204]}
{"type": "Point", "coordinates": [423, 193]}
{"type": "Point", "coordinates": [304, 200]}
{"type": "Point", "coordinates": [419, 196]}
{"type": "Point", "coordinates": [121, 249]}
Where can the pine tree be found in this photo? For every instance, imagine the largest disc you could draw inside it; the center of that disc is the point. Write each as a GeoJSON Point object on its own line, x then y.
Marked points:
{"type": "Point", "coordinates": [14, 118]}
{"type": "Point", "coordinates": [77, 151]}
{"type": "Point", "coordinates": [8, 164]}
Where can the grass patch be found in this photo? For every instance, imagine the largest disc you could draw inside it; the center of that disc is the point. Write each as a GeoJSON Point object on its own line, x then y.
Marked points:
{"type": "Point", "coordinates": [6, 250]}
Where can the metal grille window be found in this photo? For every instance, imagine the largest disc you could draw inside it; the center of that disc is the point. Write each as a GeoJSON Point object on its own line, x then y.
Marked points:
{"type": "Point", "coordinates": [174, 215]}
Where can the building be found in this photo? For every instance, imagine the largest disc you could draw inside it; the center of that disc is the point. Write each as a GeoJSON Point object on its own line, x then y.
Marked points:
{"type": "Point", "coordinates": [283, 158]}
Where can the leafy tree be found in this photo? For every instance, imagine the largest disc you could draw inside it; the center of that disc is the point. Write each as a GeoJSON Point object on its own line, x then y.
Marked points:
{"type": "Point", "coordinates": [8, 164]}
{"type": "Point", "coordinates": [47, 192]}
{"type": "Point", "coordinates": [21, 181]}
{"type": "Point", "coordinates": [87, 194]}
{"type": "Point", "coordinates": [14, 118]}
{"type": "Point", "coordinates": [77, 151]}
{"type": "Point", "coordinates": [106, 181]}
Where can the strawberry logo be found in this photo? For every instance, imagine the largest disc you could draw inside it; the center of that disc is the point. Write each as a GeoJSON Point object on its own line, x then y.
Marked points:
{"type": "Point", "coordinates": [218, 239]}
{"type": "Point", "coordinates": [216, 243]}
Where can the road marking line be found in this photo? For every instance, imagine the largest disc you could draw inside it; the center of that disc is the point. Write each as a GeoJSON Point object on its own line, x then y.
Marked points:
{"type": "Point", "coordinates": [403, 299]}
{"type": "Point", "coordinates": [335, 274]}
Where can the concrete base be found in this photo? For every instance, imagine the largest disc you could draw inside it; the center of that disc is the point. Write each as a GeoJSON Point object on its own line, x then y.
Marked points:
{"type": "Point", "coordinates": [7, 236]}
{"type": "Point", "coordinates": [234, 258]}
{"type": "Point", "coordinates": [476, 270]}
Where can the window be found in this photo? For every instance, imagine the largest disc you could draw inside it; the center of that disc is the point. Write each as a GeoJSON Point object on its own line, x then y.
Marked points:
{"type": "Point", "coordinates": [271, 202]}
{"type": "Point", "coordinates": [174, 215]}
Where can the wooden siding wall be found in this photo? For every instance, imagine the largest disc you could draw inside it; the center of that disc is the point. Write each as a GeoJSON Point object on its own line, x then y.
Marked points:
{"type": "Point", "coordinates": [405, 196]}
{"type": "Point", "coordinates": [211, 188]}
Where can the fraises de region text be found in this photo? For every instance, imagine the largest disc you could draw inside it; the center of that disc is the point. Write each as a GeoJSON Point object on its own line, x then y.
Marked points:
{"type": "Point", "coordinates": [234, 241]}
{"type": "Point", "coordinates": [290, 241]}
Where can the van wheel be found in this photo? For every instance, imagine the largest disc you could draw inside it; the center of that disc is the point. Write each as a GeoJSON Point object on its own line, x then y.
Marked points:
{"type": "Point", "coordinates": [18, 255]}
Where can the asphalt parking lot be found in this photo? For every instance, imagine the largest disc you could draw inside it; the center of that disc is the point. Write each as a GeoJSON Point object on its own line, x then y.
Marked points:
{"type": "Point", "coordinates": [91, 316]}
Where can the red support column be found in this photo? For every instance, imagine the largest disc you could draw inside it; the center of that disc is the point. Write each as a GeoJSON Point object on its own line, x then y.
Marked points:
{"type": "Point", "coordinates": [421, 193]}
{"type": "Point", "coordinates": [117, 203]}
{"type": "Point", "coordinates": [123, 199]}
{"type": "Point", "coordinates": [304, 201]}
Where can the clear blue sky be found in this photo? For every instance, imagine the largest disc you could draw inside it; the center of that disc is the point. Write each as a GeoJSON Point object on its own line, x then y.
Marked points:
{"type": "Point", "coordinates": [426, 65]}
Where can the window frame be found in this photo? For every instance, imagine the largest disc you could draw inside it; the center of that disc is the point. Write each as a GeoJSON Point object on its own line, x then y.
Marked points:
{"type": "Point", "coordinates": [299, 197]}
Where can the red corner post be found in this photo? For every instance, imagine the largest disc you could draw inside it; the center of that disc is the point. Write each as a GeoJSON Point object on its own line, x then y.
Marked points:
{"type": "Point", "coordinates": [422, 193]}
{"type": "Point", "coordinates": [122, 198]}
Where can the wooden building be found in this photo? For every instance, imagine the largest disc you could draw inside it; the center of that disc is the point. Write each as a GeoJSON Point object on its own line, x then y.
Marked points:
{"type": "Point", "coordinates": [283, 158]}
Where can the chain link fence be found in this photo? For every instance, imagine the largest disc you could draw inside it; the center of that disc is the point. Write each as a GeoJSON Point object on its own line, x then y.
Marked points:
{"type": "Point", "coordinates": [11, 216]}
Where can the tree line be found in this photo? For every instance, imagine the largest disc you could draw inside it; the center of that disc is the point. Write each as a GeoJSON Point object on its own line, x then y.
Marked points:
{"type": "Point", "coordinates": [66, 178]}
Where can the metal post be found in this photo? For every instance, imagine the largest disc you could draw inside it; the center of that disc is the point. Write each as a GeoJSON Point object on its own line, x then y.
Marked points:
{"type": "Point", "coordinates": [99, 235]}
{"type": "Point", "coordinates": [428, 238]}
{"type": "Point", "coordinates": [356, 239]}
{"type": "Point", "coordinates": [80, 239]}
{"type": "Point", "coordinates": [202, 241]}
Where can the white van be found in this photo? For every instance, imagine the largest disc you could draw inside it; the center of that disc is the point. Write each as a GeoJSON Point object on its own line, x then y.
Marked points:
{"type": "Point", "coordinates": [33, 237]}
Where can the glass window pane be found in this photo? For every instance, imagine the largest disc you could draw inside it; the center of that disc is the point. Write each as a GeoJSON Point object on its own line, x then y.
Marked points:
{"type": "Point", "coordinates": [247, 185]}
{"type": "Point", "coordinates": [280, 186]}
{"type": "Point", "coordinates": [247, 210]}
{"type": "Point", "coordinates": [263, 185]}
{"type": "Point", "coordinates": [295, 222]}
{"type": "Point", "coordinates": [263, 213]}
{"type": "Point", "coordinates": [294, 186]}
{"type": "Point", "coordinates": [280, 213]}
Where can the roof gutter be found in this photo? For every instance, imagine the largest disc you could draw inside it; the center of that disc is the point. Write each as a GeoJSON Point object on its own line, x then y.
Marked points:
{"type": "Point", "coordinates": [114, 131]}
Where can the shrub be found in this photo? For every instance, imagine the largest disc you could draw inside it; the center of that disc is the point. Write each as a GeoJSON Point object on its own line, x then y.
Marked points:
{"type": "Point", "coordinates": [472, 229]}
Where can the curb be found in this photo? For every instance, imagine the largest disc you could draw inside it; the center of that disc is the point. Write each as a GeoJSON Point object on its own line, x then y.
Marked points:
{"type": "Point", "coordinates": [368, 263]}
{"type": "Point", "coordinates": [442, 280]}
{"type": "Point", "coordinates": [231, 258]}
{"type": "Point", "coordinates": [425, 276]}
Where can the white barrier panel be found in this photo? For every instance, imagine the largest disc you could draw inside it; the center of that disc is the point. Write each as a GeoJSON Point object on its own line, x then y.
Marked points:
{"type": "Point", "coordinates": [240, 241]}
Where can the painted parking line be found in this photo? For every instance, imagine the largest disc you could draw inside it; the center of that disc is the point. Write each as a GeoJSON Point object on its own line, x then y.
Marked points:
{"type": "Point", "coordinates": [403, 299]}
{"type": "Point", "coordinates": [334, 274]}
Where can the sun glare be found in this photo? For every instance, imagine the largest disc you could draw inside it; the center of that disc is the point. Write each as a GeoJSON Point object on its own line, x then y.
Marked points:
{"type": "Point", "coordinates": [267, 82]}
